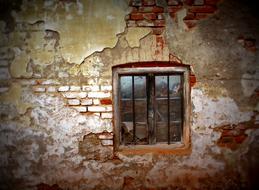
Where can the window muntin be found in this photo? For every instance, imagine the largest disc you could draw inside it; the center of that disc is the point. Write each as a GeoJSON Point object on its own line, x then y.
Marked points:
{"type": "Point", "coordinates": [179, 99]}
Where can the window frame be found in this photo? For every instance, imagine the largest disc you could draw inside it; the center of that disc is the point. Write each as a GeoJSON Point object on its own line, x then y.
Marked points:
{"type": "Point", "coordinates": [156, 68]}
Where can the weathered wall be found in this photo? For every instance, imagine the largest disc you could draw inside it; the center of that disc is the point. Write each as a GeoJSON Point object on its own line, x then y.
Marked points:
{"type": "Point", "coordinates": [55, 92]}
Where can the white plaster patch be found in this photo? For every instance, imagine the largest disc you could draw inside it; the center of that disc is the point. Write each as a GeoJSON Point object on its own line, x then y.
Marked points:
{"type": "Point", "coordinates": [249, 83]}
{"type": "Point", "coordinates": [208, 112]}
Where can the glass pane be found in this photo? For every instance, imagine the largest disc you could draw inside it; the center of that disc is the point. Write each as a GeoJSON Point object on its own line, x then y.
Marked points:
{"type": "Point", "coordinates": [175, 86]}
{"type": "Point", "coordinates": [141, 121]}
{"type": "Point", "coordinates": [161, 86]}
{"type": "Point", "coordinates": [126, 86]}
{"type": "Point", "coordinates": [126, 109]}
{"type": "Point", "coordinates": [175, 132]}
{"type": "Point", "coordinates": [175, 90]}
{"type": "Point", "coordinates": [140, 109]}
{"type": "Point", "coordinates": [161, 111]}
{"type": "Point", "coordinates": [126, 121]}
{"type": "Point", "coordinates": [139, 87]}
{"type": "Point", "coordinates": [176, 109]}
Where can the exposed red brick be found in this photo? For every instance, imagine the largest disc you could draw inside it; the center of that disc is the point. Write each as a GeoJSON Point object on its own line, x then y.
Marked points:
{"type": "Point", "coordinates": [158, 30]}
{"type": "Point", "coordinates": [174, 9]}
{"type": "Point", "coordinates": [189, 16]}
{"type": "Point", "coordinates": [190, 23]}
{"type": "Point", "coordinates": [239, 139]}
{"type": "Point", "coordinates": [149, 16]}
{"type": "Point", "coordinates": [136, 16]}
{"type": "Point", "coordinates": [172, 14]}
{"type": "Point", "coordinates": [160, 42]}
{"type": "Point", "coordinates": [199, 16]}
{"type": "Point", "coordinates": [211, 2]}
{"type": "Point", "coordinates": [192, 80]}
{"type": "Point", "coordinates": [188, 2]}
{"type": "Point", "coordinates": [202, 9]}
{"type": "Point", "coordinates": [106, 101]}
{"type": "Point", "coordinates": [157, 9]}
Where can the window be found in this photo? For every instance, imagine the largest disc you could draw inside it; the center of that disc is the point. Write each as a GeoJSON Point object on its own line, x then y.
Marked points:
{"type": "Point", "coordinates": [151, 110]}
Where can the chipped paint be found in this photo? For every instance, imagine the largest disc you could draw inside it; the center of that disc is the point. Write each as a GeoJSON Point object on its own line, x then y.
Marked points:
{"type": "Point", "coordinates": [134, 35]}
{"type": "Point", "coordinates": [68, 18]}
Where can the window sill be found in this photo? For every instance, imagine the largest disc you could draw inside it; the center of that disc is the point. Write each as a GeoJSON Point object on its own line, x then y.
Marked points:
{"type": "Point", "coordinates": [175, 149]}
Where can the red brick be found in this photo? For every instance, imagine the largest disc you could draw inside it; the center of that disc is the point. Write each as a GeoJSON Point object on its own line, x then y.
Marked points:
{"type": "Point", "coordinates": [172, 14]}
{"type": "Point", "coordinates": [189, 2]}
{"type": "Point", "coordinates": [202, 9]}
{"type": "Point", "coordinates": [106, 101]}
{"type": "Point", "coordinates": [149, 16]}
{"type": "Point", "coordinates": [192, 80]}
{"type": "Point", "coordinates": [199, 16]}
{"type": "Point", "coordinates": [158, 30]}
{"type": "Point", "coordinates": [190, 23]}
{"type": "Point", "coordinates": [158, 9]}
{"type": "Point", "coordinates": [239, 139]}
{"type": "Point", "coordinates": [174, 9]}
{"type": "Point", "coordinates": [189, 16]}
{"type": "Point", "coordinates": [136, 16]}
{"type": "Point", "coordinates": [211, 2]}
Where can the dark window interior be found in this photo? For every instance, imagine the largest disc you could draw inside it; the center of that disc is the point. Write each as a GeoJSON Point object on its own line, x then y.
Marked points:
{"type": "Point", "coordinates": [151, 108]}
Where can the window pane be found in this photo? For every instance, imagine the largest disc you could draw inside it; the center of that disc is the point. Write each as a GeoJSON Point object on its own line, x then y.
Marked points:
{"type": "Point", "coordinates": [140, 109]}
{"type": "Point", "coordinates": [126, 109]}
{"type": "Point", "coordinates": [139, 87]}
{"type": "Point", "coordinates": [161, 86]}
{"type": "Point", "coordinates": [175, 90]}
{"type": "Point", "coordinates": [161, 111]}
{"type": "Point", "coordinates": [175, 109]}
{"type": "Point", "coordinates": [175, 86]}
{"type": "Point", "coordinates": [175, 132]}
{"type": "Point", "coordinates": [126, 86]}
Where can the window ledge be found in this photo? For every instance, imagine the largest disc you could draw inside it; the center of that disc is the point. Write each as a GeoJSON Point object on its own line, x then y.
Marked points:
{"type": "Point", "coordinates": [176, 149]}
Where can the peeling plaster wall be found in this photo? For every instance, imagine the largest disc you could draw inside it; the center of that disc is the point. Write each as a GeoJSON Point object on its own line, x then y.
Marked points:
{"type": "Point", "coordinates": [56, 126]}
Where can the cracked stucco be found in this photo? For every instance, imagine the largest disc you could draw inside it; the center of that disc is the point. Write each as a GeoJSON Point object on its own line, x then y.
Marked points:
{"type": "Point", "coordinates": [68, 18]}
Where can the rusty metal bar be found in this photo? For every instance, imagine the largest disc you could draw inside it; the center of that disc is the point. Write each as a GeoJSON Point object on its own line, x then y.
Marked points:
{"type": "Point", "coordinates": [168, 110]}
{"type": "Point", "coordinates": [133, 111]}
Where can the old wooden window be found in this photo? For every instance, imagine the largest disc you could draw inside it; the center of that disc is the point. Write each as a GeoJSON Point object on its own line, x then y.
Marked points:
{"type": "Point", "coordinates": [151, 109]}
